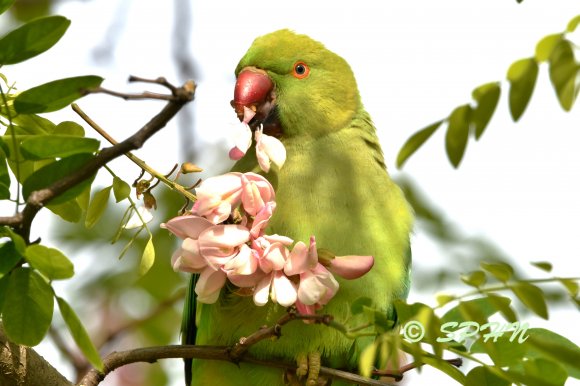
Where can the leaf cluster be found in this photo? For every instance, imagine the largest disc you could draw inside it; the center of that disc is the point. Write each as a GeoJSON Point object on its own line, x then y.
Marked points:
{"type": "Point", "coordinates": [471, 119]}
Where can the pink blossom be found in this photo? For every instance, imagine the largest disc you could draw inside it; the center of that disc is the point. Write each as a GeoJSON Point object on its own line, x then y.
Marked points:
{"type": "Point", "coordinates": [205, 249]}
{"type": "Point", "coordinates": [351, 267]}
{"type": "Point", "coordinates": [269, 149]}
{"type": "Point", "coordinates": [242, 139]}
{"type": "Point", "coordinates": [278, 287]}
{"type": "Point", "coordinates": [218, 196]}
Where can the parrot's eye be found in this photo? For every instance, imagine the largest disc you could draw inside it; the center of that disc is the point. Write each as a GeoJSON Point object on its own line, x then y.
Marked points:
{"type": "Point", "coordinates": [301, 70]}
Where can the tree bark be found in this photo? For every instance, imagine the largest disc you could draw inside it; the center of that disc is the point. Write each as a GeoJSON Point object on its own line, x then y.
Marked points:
{"type": "Point", "coordinates": [22, 366]}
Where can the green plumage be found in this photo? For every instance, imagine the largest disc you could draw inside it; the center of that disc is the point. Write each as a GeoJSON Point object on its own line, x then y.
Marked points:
{"type": "Point", "coordinates": [334, 185]}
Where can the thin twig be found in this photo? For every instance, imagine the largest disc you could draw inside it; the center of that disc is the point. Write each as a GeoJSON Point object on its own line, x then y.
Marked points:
{"type": "Point", "coordinates": [457, 362]}
{"type": "Point", "coordinates": [126, 96]}
{"type": "Point", "coordinates": [138, 161]}
{"type": "Point", "coordinates": [239, 349]}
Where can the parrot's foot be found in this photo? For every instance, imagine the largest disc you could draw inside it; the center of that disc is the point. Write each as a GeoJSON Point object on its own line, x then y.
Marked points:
{"type": "Point", "coordinates": [307, 372]}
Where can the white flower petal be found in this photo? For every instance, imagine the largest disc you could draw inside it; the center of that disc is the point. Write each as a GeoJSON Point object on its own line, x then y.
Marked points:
{"type": "Point", "coordinates": [283, 290]}
{"type": "Point", "coordinates": [262, 291]}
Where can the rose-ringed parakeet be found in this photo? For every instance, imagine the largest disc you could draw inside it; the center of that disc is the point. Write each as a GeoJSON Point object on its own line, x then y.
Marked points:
{"type": "Point", "coordinates": [333, 185]}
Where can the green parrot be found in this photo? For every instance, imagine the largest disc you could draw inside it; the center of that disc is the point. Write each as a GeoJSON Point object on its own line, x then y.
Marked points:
{"type": "Point", "coordinates": [333, 185]}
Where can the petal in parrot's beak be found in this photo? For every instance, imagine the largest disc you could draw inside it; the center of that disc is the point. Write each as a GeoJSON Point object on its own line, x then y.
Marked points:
{"type": "Point", "coordinates": [255, 91]}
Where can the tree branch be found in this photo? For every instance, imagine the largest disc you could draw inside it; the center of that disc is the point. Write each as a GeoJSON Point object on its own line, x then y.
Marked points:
{"type": "Point", "coordinates": [236, 353]}
{"type": "Point", "coordinates": [21, 365]}
{"type": "Point", "coordinates": [37, 199]}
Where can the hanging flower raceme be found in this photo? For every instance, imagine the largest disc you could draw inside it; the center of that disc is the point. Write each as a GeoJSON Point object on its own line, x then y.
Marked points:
{"type": "Point", "coordinates": [243, 254]}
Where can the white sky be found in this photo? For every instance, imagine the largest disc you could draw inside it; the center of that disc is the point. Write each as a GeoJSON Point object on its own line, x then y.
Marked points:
{"type": "Point", "coordinates": [414, 61]}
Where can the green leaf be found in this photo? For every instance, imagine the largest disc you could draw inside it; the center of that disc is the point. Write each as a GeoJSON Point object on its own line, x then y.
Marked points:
{"type": "Point", "coordinates": [9, 257]}
{"type": "Point", "coordinates": [54, 95]}
{"type": "Point", "coordinates": [485, 307]}
{"type": "Point", "coordinates": [483, 376]}
{"type": "Point", "coordinates": [538, 368]}
{"type": "Point", "coordinates": [69, 211]}
{"type": "Point", "coordinates": [51, 262]}
{"type": "Point", "coordinates": [4, 177]}
{"type": "Point", "coordinates": [415, 142]}
{"type": "Point", "coordinates": [4, 280]}
{"type": "Point", "coordinates": [571, 286]}
{"type": "Point", "coordinates": [487, 97]}
{"type": "Point", "coordinates": [97, 207]}
{"type": "Point", "coordinates": [501, 271]}
{"type": "Point", "coordinates": [84, 199]}
{"type": "Point", "coordinates": [28, 307]}
{"type": "Point", "coordinates": [572, 24]}
{"type": "Point", "coordinates": [45, 176]}
{"type": "Point", "coordinates": [31, 39]}
{"type": "Point", "coordinates": [522, 76]}
{"type": "Point", "coordinates": [563, 74]}
{"type": "Point", "coordinates": [546, 46]}
{"type": "Point", "coordinates": [69, 128]}
{"type": "Point", "coordinates": [457, 134]}
{"type": "Point", "coordinates": [445, 367]}
{"type": "Point", "coordinates": [4, 5]}
{"type": "Point", "coordinates": [443, 299]}
{"type": "Point", "coordinates": [474, 279]}
{"type": "Point", "coordinates": [532, 297]}
{"type": "Point", "coordinates": [56, 146]}
{"type": "Point", "coordinates": [502, 304]}
{"type": "Point", "coordinates": [502, 351]}
{"type": "Point", "coordinates": [19, 243]}
{"type": "Point", "coordinates": [33, 124]}
{"type": "Point", "coordinates": [148, 257]}
{"type": "Point", "coordinates": [548, 344]}
{"type": "Point", "coordinates": [79, 334]}
{"type": "Point", "coordinates": [367, 360]}
{"type": "Point", "coordinates": [543, 265]}
{"type": "Point", "coordinates": [121, 189]}
{"type": "Point", "coordinates": [358, 305]}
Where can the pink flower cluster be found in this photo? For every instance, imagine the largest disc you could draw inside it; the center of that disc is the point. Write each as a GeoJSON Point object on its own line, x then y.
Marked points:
{"type": "Point", "coordinates": [243, 254]}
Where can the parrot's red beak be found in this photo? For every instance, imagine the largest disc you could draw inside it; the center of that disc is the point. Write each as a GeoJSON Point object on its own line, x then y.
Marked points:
{"type": "Point", "coordinates": [254, 90]}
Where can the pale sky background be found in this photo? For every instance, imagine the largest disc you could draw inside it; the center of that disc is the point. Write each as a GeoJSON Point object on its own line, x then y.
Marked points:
{"type": "Point", "coordinates": [414, 61]}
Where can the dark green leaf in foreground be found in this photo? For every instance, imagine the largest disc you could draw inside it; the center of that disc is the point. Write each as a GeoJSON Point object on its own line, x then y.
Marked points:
{"type": "Point", "coordinates": [4, 5]}
{"type": "Point", "coordinates": [457, 134]}
{"type": "Point", "coordinates": [54, 95]}
{"type": "Point", "coordinates": [79, 333]}
{"type": "Point", "coordinates": [50, 173]}
{"type": "Point", "coordinates": [31, 39]}
{"type": "Point", "coordinates": [546, 343]}
{"type": "Point", "coordinates": [28, 307]}
{"type": "Point", "coordinates": [50, 262]}
{"type": "Point", "coordinates": [483, 376]}
{"type": "Point", "coordinates": [56, 146]}
{"type": "Point", "coordinates": [415, 142]}
{"type": "Point", "coordinates": [522, 76]}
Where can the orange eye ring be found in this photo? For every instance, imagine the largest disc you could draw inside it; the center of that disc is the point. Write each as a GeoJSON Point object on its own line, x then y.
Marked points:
{"type": "Point", "coordinates": [301, 70]}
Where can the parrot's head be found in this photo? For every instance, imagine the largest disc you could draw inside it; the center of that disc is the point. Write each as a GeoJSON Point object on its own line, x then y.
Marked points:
{"type": "Point", "coordinates": [295, 85]}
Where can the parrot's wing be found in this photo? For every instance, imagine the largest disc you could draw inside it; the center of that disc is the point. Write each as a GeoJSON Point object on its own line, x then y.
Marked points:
{"type": "Point", "coordinates": [188, 322]}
